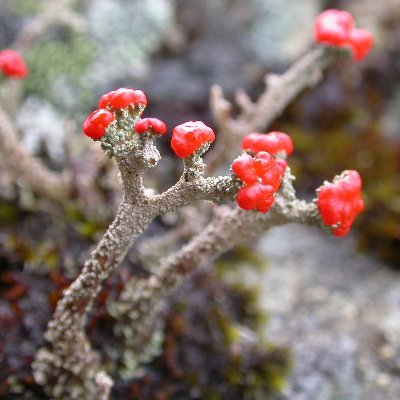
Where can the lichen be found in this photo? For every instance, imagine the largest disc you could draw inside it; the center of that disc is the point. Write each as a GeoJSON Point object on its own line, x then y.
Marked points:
{"type": "Point", "coordinates": [57, 68]}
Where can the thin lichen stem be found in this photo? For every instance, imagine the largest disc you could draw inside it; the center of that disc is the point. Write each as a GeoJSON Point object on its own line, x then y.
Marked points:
{"type": "Point", "coordinates": [139, 303]}
{"type": "Point", "coordinates": [193, 186]}
{"type": "Point", "coordinates": [216, 189]}
{"type": "Point", "coordinates": [280, 91]}
{"type": "Point", "coordinates": [68, 358]}
{"type": "Point", "coordinates": [79, 365]}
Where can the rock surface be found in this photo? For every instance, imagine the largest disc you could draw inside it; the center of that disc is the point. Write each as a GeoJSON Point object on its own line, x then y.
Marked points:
{"type": "Point", "coordinates": [339, 312]}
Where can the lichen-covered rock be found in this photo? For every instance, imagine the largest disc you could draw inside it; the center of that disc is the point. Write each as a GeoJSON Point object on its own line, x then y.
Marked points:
{"type": "Point", "coordinates": [338, 309]}
{"type": "Point", "coordinates": [126, 33]}
{"type": "Point", "coordinates": [41, 124]}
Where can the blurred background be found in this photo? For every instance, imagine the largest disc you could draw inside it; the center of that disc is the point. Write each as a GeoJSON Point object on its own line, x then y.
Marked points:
{"type": "Point", "coordinates": [330, 307]}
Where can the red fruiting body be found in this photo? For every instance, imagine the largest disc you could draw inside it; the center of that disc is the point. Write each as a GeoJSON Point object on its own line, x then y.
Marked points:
{"type": "Point", "coordinates": [122, 98]}
{"type": "Point", "coordinates": [12, 64]}
{"type": "Point", "coordinates": [333, 27]}
{"type": "Point", "coordinates": [272, 142]}
{"type": "Point", "coordinates": [256, 197]}
{"type": "Point", "coordinates": [156, 125]}
{"type": "Point", "coordinates": [262, 177]}
{"type": "Point", "coordinates": [260, 168]}
{"type": "Point", "coordinates": [188, 137]}
{"type": "Point", "coordinates": [340, 202]}
{"type": "Point", "coordinates": [243, 168]}
{"type": "Point", "coordinates": [361, 42]}
{"type": "Point", "coordinates": [104, 101]}
{"type": "Point", "coordinates": [140, 97]}
{"type": "Point", "coordinates": [97, 122]}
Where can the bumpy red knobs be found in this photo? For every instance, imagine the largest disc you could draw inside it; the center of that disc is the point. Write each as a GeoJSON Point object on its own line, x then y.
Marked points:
{"type": "Point", "coordinates": [188, 137]}
{"type": "Point", "coordinates": [243, 168]}
{"type": "Point", "coordinates": [104, 101]}
{"type": "Point", "coordinates": [256, 197]}
{"type": "Point", "coordinates": [336, 28]}
{"type": "Point", "coordinates": [262, 178]}
{"type": "Point", "coordinates": [340, 202]}
{"type": "Point", "coordinates": [272, 142]}
{"type": "Point", "coordinates": [361, 42]}
{"type": "Point", "coordinates": [333, 27]}
{"type": "Point", "coordinates": [122, 98]}
{"type": "Point", "coordinates": [156, 125]}
{"type": "Point", "coordinates": [12, 64]}
{"type": "Point", "coordinates": [96, 123]}
{"type": "Point", "coordinates": [260, 168]}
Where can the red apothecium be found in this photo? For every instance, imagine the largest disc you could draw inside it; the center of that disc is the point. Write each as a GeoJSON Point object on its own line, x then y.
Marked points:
{"type": "Point", "coordinates": [188, 137]}
{"type": "Point", "coordinates": [97, 122]}
{"type": "Point", "coordinates": [339, 202]}
{"type": "Point", "coordinates": [262, 179]}
{"type": "Point", "coordinates": [272, 142]}
{"type": "Point", "coordinates": [156, 125]}
{"type": "Point", "coordinates": [12, 64]}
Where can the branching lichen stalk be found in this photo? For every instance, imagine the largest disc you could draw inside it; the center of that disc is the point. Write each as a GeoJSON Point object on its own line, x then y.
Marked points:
{"type": "Point", "coordinates": [139, 303]}
{"type": "Point", "coordinates": [68, 367]}
{"type": "Point", "coordinates": [280, 91]}
{"type": "Point", "coordinates": [69, 357]}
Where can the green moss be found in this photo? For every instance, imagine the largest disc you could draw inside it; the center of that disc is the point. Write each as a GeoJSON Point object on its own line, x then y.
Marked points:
{"type": "Point", "coordinates": [236, 258]}
{"type": "Point", "coordinates": [74, 214]}
{"type": "Point", "coordinates": [232, 333]}
{"type": "Point", "coordinates": [247, 305]}
{"type": "Point", "coordinates": [8, 213]}
{"type": "Point", "coordinates": [25, 7]}
{"type": "Point", "coordinates": [212, 395]}
{"type": "Point", "coordinates": [52, 60]}
{"type": "Point", "coordinates": [89, 229]}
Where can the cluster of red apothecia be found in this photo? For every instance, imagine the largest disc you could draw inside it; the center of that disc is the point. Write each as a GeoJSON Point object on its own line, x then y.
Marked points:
{"type": "Point", "coordinates": [153, 124]}
{"type": "Point", "coordinates": [275, 143]}
{"type": "Point", "coordinates": [262, 179]}
{"type": "Point", "coordinates": [263, 164]}
{"type": "Point", "coordinates": [12, 64]}
{"type": "Point", "coordinates": [336, 28]}
{"type": "Point", "coordinates": [260, 168]}
{"type": "Point", "coordinates": [98, 121]}
{"type": "Point", "coordinates": [261, 173]}
{"type": "Point", "coordinates": [340, 202]}
{"type": "Point", "coordinates": [186, 139]}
